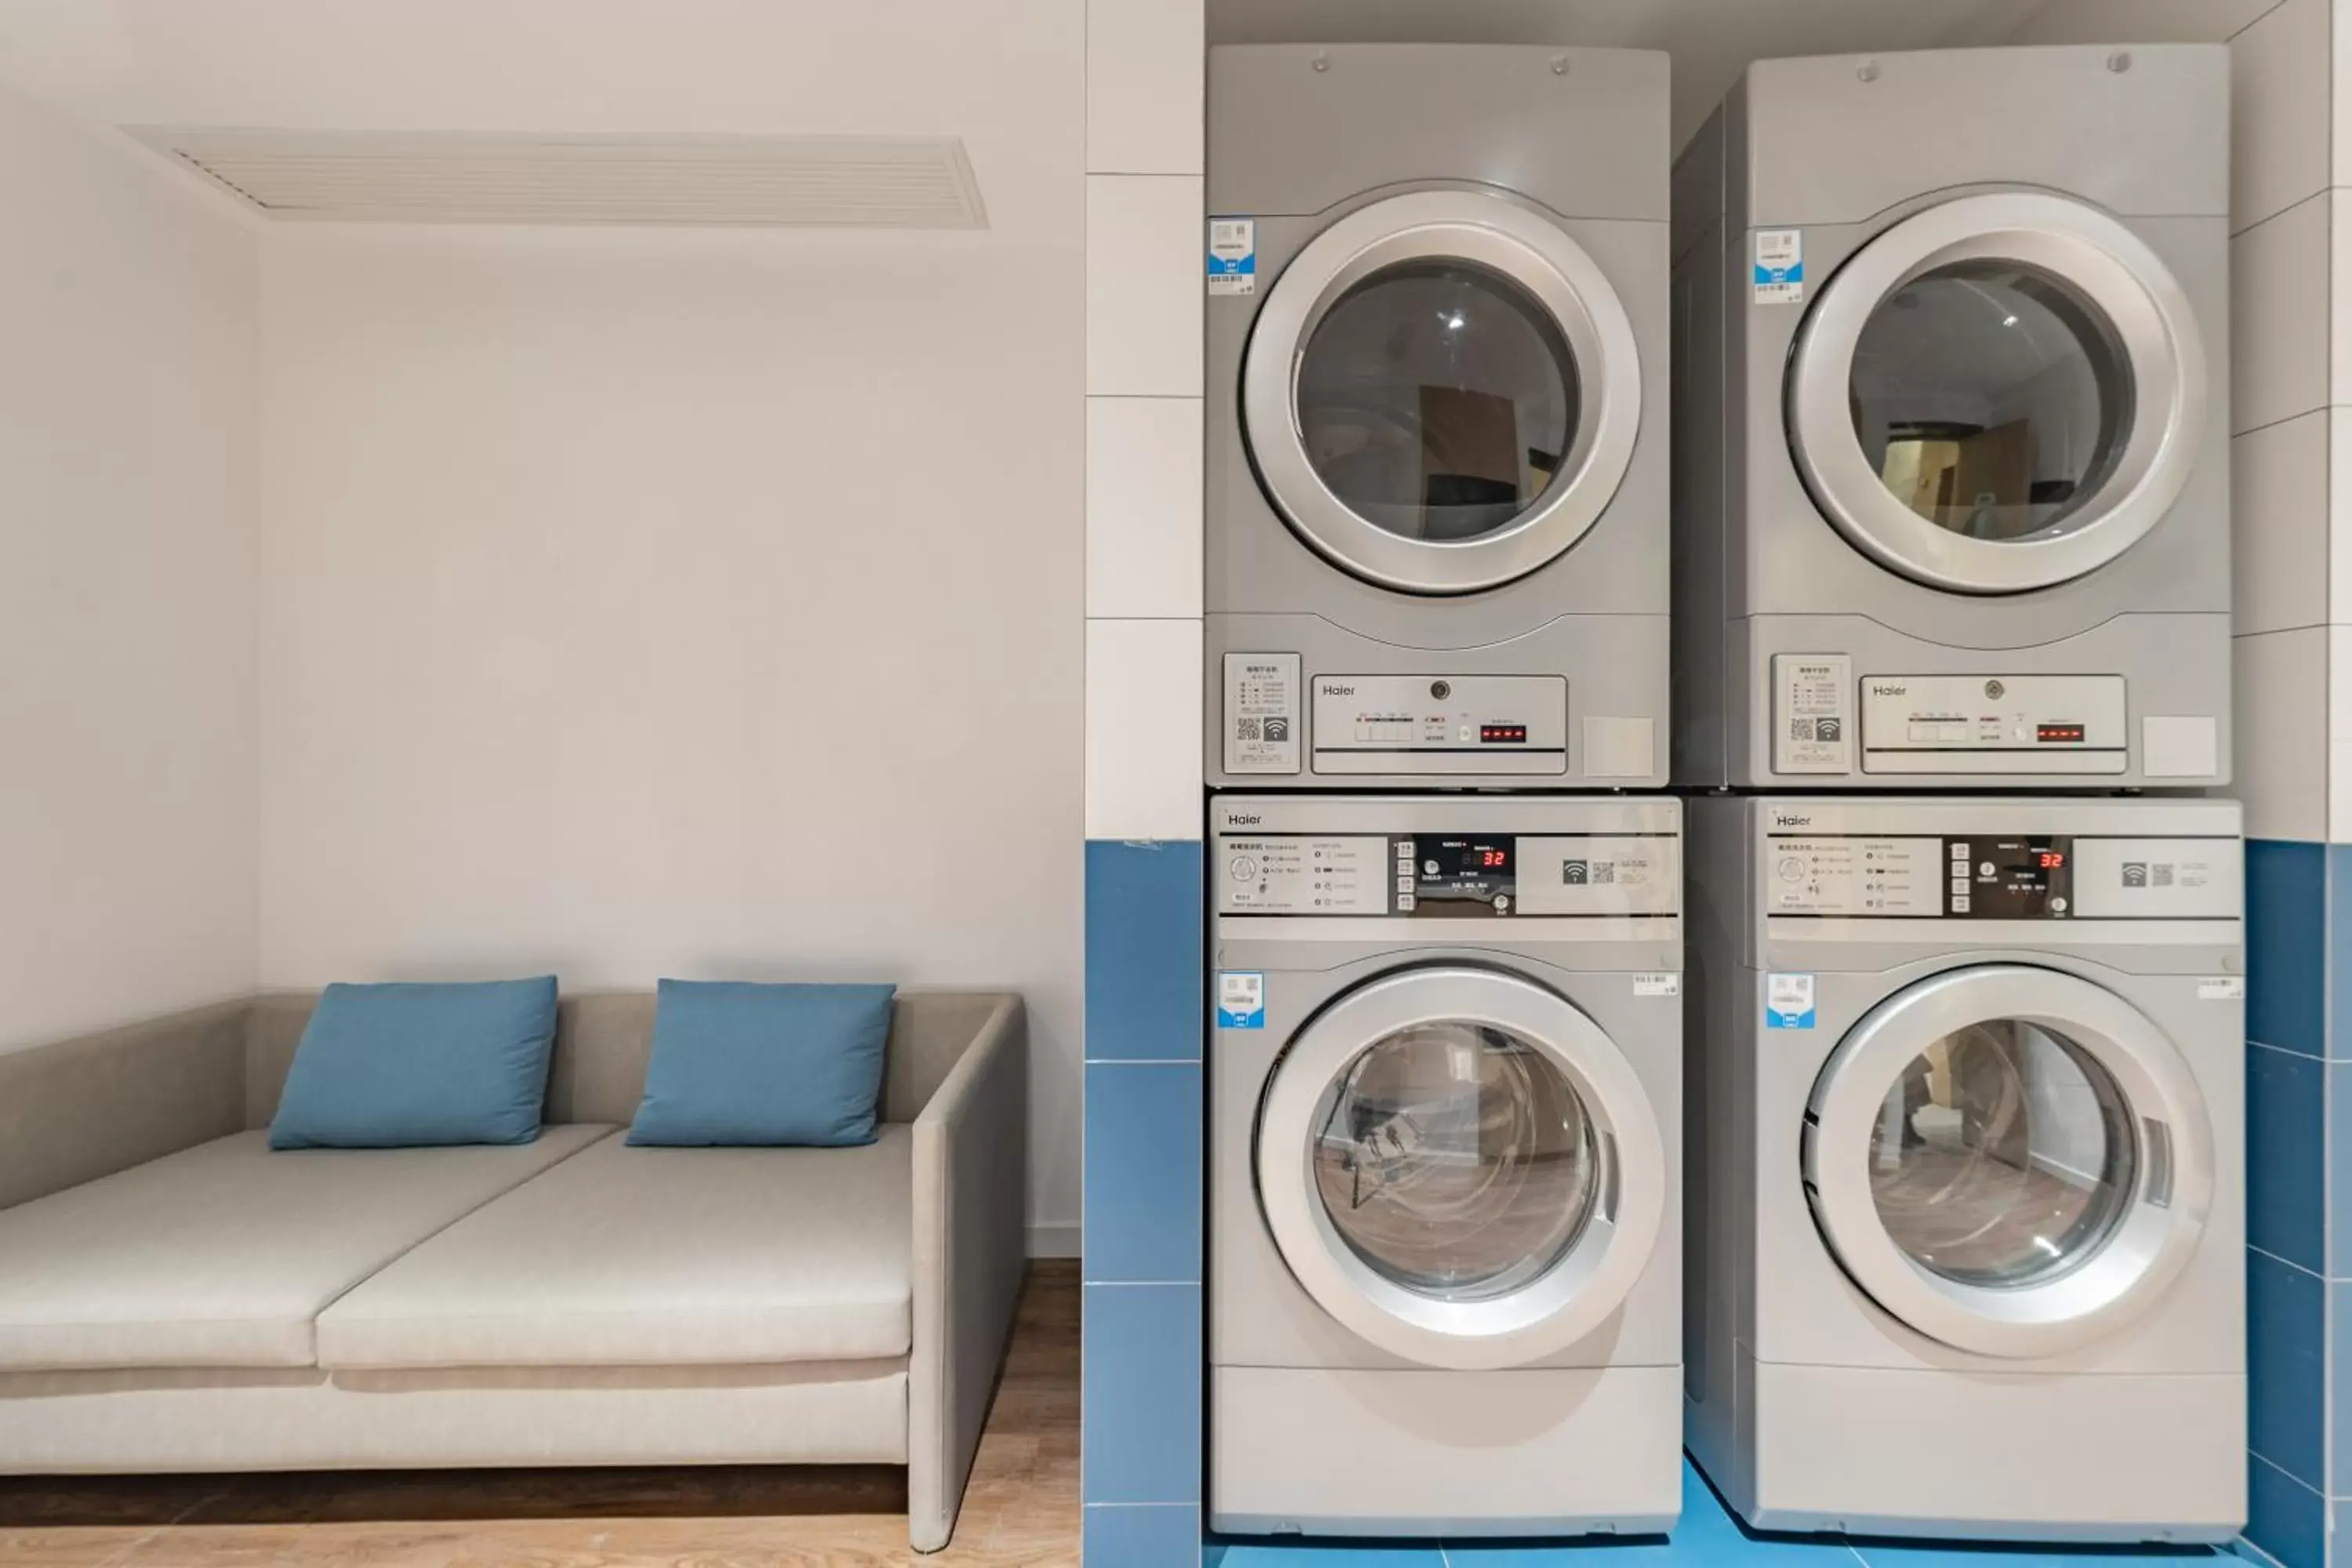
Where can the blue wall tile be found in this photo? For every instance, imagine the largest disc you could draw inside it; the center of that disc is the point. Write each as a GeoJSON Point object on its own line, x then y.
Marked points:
{"type": "Point", "coordinates": [2289, 1519]}
{"type": "Point", "coordinates": [2286, 1313]}
{"type": "Point", "coordinates": [1140, 1402]}
{"type": "Point", "coordinates": [1126, 1535]}
{"type": "Point", "coordinates": [1144, 977]}
{"type": "Point", "coordinates": [2287, 945]}
{"type": "Point", "coordinates": [2286, 1155]}
{"type": "Point", "coordinates": [2340, 1170]}
{"type": "Point", "coordinates": [1143, 1170]}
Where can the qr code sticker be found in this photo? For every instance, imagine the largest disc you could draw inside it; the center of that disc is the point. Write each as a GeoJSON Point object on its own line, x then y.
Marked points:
{"type": "Point", "coordinates": [1604, 871]}
{"type": "Point", "coordinates": [2159, 875]}
{"type": "Point", "coordinates": [1801, 729]}
{"type": "Point", "coordinates": [1249, 729]}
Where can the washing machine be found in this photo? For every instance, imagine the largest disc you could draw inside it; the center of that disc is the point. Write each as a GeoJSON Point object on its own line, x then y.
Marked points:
{"type": "Point", "coordinates": [1967, 1197]}
{"type": "Point", "coordinates": [1445, 1166]}
{"type": "Point", "coordinates": [1953, 436]}
{"type": "Point", "coordinates": [1436, 469]}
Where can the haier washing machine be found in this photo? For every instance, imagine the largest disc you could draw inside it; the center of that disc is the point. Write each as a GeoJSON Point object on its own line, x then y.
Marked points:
{"type": "Point", "coordinates": [1952, 447]}
{"type": "Point", "coordinates": [1444, 1166]}
{"type": "Point", "coordinates": [1436, 440]}
{"type": "Point", "coordinates": [1967, 1197]}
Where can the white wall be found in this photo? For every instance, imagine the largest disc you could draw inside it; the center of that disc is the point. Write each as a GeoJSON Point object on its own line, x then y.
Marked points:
{"type": "Point", "coordinates": [127, 611]}
{"type": "Point", "coordinates": [640, 605]}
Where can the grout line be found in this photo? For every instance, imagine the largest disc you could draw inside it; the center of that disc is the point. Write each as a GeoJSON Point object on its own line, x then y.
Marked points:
{"type": "Point", "coordinates": [2288, 1262]}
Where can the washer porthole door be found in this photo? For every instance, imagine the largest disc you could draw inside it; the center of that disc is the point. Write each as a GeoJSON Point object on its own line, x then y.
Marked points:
{"type": "Point", "coordinates": [1461, 1167]}
{"type": "Point", "coordinates": [2010, 1160]}
{"type": "Point", "coordinates": [2000, 393]}
{"type": "Point", "coordinates": [1442, 392]}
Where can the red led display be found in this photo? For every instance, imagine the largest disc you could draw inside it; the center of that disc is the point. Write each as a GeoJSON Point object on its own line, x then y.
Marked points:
{"type": "Point", "coordinates": [1502, 734]}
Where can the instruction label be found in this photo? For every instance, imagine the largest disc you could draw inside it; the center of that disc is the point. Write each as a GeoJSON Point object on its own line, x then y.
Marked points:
{"type": "Point", "coordinates": [1779, 266]}
{"type": "Point", "coordinates": [2222, 988]}
{"type": "Point", "coordinates": [1240, 999]}
{"type": "Point", "coordinates": [1660, 984]}
{"type": "Point", "coordinates": [1788, 1001]}
{"type": "Point", "coordinates": [1233, 256]}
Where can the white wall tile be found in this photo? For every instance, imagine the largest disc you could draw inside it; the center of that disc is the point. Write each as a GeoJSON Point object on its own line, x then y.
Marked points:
{"type": "Point", "coordinates": [2339, 514]}
{"type": "Point", "coordinates": [2281, 715]}
{"type": "Point", "coordinates": [1146, 74]}
{"type": "Point", "coordinates": [2137, 21]}
{"type": "Point", "coordinates": [2339, 292]}
{"type": "Point", "coordinates": [2340, 52]}
{"type": "Point", "coordinates": [2279, 524]}
{"type": "Point", "coordinates": [1143, 506]}
{"type": "Point", "coordinates": [2278, 309]}
{"type": "Point", "coordinates": [1144, 285]}
{"type": "Point", "coordinates": [2339, 734]}
{"type": "Point", "coordinates": [2281, 73]}
{"type": "Point", "coordinates": [1143, 729]}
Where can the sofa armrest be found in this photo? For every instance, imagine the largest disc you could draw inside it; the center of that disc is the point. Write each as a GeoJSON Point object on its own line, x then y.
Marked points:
{"type": "Point", "coordinates": [84, 1107]}
{"type": "Point", "coordinates": [971, 1165]}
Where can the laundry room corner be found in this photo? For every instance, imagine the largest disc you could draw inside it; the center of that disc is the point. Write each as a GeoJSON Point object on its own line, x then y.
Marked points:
{"type": "Point", "coordinates": [1142, 1382]}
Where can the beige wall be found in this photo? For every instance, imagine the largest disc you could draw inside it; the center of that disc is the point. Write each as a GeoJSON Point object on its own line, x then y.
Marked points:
{"type": "Point", "coordinates": [640, 605]}
{"type": "Point", "coordinates": [127, 539]}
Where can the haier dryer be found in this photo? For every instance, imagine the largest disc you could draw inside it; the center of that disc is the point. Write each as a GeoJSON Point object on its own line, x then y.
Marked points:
{"type": "Point", "coordinates": [1967, 1193]}
{"type": "Point", "coordinates": [1445, 1166]}
{"type": "Point", "coordinates": [1436, 417]}
{"type": "Point", "coordinates": [1952, 445]}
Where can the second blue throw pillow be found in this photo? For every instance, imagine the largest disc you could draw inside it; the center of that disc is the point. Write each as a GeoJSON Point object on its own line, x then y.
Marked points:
{"type": "Point", "coordinates": [736, 1063]}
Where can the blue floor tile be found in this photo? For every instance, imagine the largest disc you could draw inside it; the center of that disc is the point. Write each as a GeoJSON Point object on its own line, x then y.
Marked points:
{"type": "Point", "coordinates": [1323, 1555]}
{"type": "Point", "coordinates": [1964, 1554]}
{"type": "Point", "coordinates": [1134, 1535]}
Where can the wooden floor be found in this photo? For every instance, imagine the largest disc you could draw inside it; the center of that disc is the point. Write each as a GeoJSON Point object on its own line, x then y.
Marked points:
{"type": "Point", "coordinates": [1021, 1511]}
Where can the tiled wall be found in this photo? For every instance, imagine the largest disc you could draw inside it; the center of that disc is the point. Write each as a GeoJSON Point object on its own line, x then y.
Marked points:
{"type": "Point", "coordinates": [1141, 1407]}
{"type": "Point", "coordinates": [2292, 411]}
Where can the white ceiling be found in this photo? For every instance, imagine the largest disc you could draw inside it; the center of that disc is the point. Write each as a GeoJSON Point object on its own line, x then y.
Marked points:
{"type": "Point", "coordinates": [1712, 40]}
{"type": "Point", "coordinates": [1005, 76]}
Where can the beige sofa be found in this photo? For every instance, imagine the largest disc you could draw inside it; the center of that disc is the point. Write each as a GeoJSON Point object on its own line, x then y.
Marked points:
{"type": "Point", "coordinates": [175, 1296]}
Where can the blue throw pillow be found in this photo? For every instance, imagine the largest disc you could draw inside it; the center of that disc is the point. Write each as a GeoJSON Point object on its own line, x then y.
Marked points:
{"type": "Point", "coordinates": [393, 1067]}
{"type": "Point", "coordinates": [742, 1064]}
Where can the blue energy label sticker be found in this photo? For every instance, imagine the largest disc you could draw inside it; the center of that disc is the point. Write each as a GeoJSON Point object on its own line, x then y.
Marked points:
{"type": "Point", "coordinates": [1788, 1001]}
{"type": "Point", "coordinates": [1241, 999]}
{"type": "Point", "coordinates": [1233, 256]}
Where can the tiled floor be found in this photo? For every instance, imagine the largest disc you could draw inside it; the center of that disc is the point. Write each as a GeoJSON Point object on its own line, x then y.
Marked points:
{"type": "Point", "coordinates": [1706, 1536]}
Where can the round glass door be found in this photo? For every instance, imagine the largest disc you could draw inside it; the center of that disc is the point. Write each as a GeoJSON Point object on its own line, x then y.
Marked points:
{"type": "Point", "coordinates": [1458, 1165]}
{"type": "Point", "coordinates": [1442, 392]}
{"type": "Point", "coordinates": [1436, 400]}
{"type": "Point", "coordinates": [2010, 1160]}
{"type": "Point", "coordinates": [1997, 395]}
{"type": "Point", "coordinates": [1456, 1161]}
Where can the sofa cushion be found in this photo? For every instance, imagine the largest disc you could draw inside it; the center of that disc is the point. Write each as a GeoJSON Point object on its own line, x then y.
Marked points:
{"type": "Point", "coordinates": [222, 1255]}
{"type": "Point", "coordinates": [395, 1066]}
{"type": "Point", "coordinates": [631, 1256]}
{"type": "Point", "coordinates": [736, 1063]}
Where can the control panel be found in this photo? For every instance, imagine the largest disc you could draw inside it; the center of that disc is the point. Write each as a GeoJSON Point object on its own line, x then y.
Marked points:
{"type": "Point", "coordinates": [1438, 724]}
{"type": "Point", "coordinates": [2010, 725]}
{"type": "Point", "coordinates": [1448, 875]}
{"type": "Point", "coordinates": [1824, 717]}
{"type": "Point", "coordinates": [2000, 877]}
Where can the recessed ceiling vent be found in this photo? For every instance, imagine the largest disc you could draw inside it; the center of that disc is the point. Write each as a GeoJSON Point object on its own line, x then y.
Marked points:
{"type": "Point", "coordinates": [720, 182]}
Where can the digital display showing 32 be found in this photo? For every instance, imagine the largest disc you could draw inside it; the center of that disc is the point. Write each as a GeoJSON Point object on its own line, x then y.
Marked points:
{"type": "Point", "coordinates": [1454, 869]}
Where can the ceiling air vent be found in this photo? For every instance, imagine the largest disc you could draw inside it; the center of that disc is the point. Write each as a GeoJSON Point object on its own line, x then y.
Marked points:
{"type": "Point", "coordinates": [733, 182]}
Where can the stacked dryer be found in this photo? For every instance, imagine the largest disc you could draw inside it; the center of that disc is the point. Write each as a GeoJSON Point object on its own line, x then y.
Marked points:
{"type": "Point", "coordinates": [1966, 1070]}
{"type": "Point", "coordinates": [1445, 1076]}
